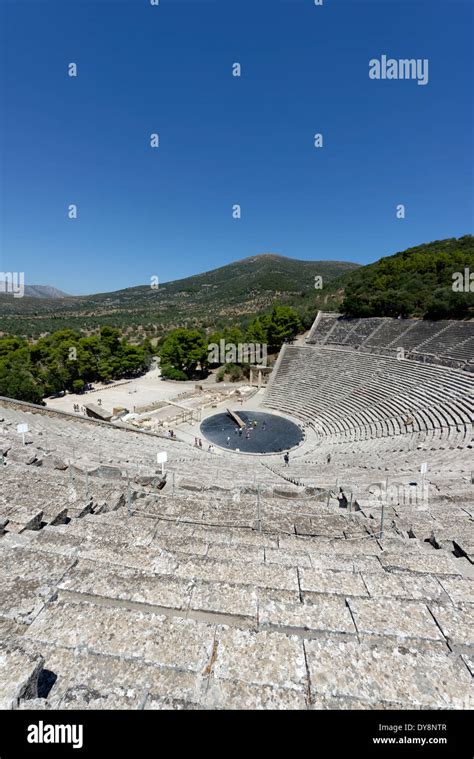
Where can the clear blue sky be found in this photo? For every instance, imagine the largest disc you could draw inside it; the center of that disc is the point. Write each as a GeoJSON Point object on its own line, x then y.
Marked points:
{"type": "Point", "coordinates": [225, 140]}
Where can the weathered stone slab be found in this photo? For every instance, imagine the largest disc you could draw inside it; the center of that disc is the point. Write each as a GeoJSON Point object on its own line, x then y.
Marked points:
{"type": "Point", "coordinates": [191, 485]}
{"type": "Point", "coordinates": [363, 547]}
{"type": "Point", "coordinates": [172, 529]}
{"type": "Point", "coordinates": [421, 527]}
{"type": "Point", "coordinates": [128, 584]}
{"type": "Point", "coordinates": [56, 516]}
{"type": "Point", "coordinates": [397, 675]}
{"type": "Point", "coordinates": [221, 598]}
{"type": "Point", "coordinates": [320, 527]}
{"type": "Point", "coordinates": [9, 629]}
{"type": "Point", "coordinates": [14, 540]}
{"type": "Point", "coordinates": [343, 563]}
{"type": "Point", "coordinates": [90, 680]}
{"type": "Point", "coordinates": [341, 583]}
{"type": "Point", "coordinates": [367, 564]}
{"type": "Point", "coordinates": [403, 620]}
{"type": "Point", "coordinates": [241, 553]}
{"type": "Point", "coordinates": [247, 537]}
{"type": "Point", "coordinates": [326, 614]}
{"type": "Point", "coordinates": [150, 637]}
{"type": "Point", "coordinates": [19, 673]}
{"type": "Point", "coordinates": [135, 557]}
{"type": "Point", "coordinates": [287, 558]}
{"type": "Point", "coordinates": [286, 596]}
{"type": "Point", "coordinates": [24, 518]}
{"type": "Point", "coordinates": [399, 585]}
{"type": "Point", "coordinates": [458, 589]}
{"type": "Point", "coordinates": [457, 624]}
{"type": "Point", "coordinates": [99, 528]}
{"type": "Point", "coordinates": [229, 694]}
{"type": "Point", "coordinates": [21, 600]}
{"type": "Point", "coordinates": [27, 563]}
{"type": "Point", "coordinates": [182, 545]}
{"type": "Point", "coordinates": [436, 564]}
{"type": "Point", "coordinates": [259, 658]}
{"type": "Point", "coordinates": [51, 540]}
{"type": "Point", "coordinates": [106, 472]}
{"type": "Point", "coordinates": [264, 576]}
{"type": "Point", "coordinates": [309, 545]}
{"type": "Point", "coordinates": [402, 546]}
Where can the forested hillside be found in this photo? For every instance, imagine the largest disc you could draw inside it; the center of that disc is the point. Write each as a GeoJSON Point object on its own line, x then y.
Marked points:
{"type": "Point", "coordinates": [427, 281]}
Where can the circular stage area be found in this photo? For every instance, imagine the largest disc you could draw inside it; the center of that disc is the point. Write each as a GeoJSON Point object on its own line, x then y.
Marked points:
{"type": "Point", "coordinates": [263, 433]}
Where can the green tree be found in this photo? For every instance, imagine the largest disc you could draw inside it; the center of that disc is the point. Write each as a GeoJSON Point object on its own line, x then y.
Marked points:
{"type": "Point", "coordinates": [284, 324]}
{"type": "Point", "coordinates": [184, 350]}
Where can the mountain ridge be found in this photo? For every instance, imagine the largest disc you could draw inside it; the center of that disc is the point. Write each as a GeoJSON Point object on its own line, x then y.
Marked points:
{"type": "Point", "coordinates": [415, 282]}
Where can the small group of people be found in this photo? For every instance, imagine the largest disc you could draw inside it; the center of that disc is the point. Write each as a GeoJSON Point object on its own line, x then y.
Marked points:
{"type": "Point", "coordinates": [197, 442]}
{"type": "Point", "coordinates": [247, 430]}
{"type": "Point", "coordinates": [78, 408]}
{"type": "Point", "coordinates": [171, 434]}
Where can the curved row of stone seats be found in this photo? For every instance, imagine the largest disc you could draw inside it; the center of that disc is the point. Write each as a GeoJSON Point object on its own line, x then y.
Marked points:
{"type": "Point", "coordinates": [388, 454]}
{"type": "Point", "coordinates": [455, 339]}
{"type": "Point", "coordinates": [322, 325]}
{"type": "Point", "coordinates": [386, 332]}
{"type": "Point", "coordinates": [462, 351]}
{"type": "Point", "coordinates": [437, 507]}
{"type": "Point", "coordinates": [365, 457]}
{"type": "Point", "coordinates": [86, 446]}
{"type": "Point", "coordinates": [32, 496]}
{"type": "Point", "coordinates": [361, 330]}
{"type": "Point", "coordinates": [348, 361]}
{"type": "Point", "coordinates": [141, 612]}
{"type": "Point", "coordinates": [345, 392]}
{"type": "Point", "coordinates": [448, 339]}
{"type": "Point", "coordinates": [417, 334]}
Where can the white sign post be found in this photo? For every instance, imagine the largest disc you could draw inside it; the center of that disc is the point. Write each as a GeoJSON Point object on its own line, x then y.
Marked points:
{"type": "Point", "coordinates": [423, 470]}
{"type": "Point", "coordinates": [161, 458]}
{"type": "Point", "coordinates": [22, 429]}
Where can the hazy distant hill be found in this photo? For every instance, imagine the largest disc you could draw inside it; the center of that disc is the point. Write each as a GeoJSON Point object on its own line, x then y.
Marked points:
{"type": "Point", "coordinates": [36, 291]}
{"type": "Point", "coordinates": [44, 291]}
{"type": "Point", "coordinates": [231, 293]}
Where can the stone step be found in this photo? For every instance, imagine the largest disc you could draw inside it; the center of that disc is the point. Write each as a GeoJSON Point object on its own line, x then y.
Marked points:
{"type": "Point", "coordinates": [389, 677]}
{"type": "Point", "coordinates": [256, 658]}
{"type": "Point", "coordinates": [19, 673]}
